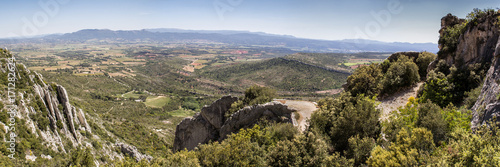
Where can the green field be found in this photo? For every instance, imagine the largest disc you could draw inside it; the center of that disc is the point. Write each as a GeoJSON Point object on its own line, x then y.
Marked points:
{"type": "Point", "coordinates": [131, 94]}
{"type": "Point", "coordinates": [157, 101]}
{"type": "Point", "coordinates": [182, 113]}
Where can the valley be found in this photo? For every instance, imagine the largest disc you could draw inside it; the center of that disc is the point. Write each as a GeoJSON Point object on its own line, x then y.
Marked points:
{"type": "Point", "coordinates": [170, 97]}
{"type": "Point", "coordinates": [130, 89]}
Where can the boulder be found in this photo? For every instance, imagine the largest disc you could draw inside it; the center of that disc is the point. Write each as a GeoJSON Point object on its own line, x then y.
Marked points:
{"type": "Point", "coordinates": [133, 152]}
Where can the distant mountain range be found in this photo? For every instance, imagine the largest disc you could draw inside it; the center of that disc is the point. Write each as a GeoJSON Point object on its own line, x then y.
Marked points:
{"type": "Point", "coordinates": [243, 38]}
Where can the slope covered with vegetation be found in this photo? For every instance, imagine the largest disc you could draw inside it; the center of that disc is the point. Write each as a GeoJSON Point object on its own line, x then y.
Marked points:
{"type": "Point", "coordinates": [279, 73]}
{"type": "Point", "coordinates": [430, 130]}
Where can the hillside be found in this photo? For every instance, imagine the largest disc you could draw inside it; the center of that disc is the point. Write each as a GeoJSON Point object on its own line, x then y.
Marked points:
{"type": "Point", "coordinates": [338, 61]}
{"type": "Point", "coordinates": [136, 104]}
{"type": "Point", "coordinates": [42, 124]}
{"type": "Point", "coordinates": [279, 73]}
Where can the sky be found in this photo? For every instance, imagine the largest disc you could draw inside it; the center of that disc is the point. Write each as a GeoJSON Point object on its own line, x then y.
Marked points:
{"type": "Point", "coordinates": [415, 21]}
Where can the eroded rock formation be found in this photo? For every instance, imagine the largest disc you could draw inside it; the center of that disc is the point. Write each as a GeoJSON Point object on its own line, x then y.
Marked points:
{"type": "Point", "coordinates": [211, 125]}
{"type": "Point", "coordinates": [479, 45]}
{"type": "Point", "coordinates": [133, 152]}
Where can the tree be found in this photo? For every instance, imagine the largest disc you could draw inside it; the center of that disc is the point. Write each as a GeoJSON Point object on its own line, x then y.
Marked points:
{"type": "Point", "coordinates": [410, 149]}
{"type": "Point", "coordinates": [365, 80]}
{"type": "Point", "coordinates": [437, 89]}
{"type": "Point", "coordinates": [344, 117]}
{"type": "Point", "coordinates": [431, 118]}
{"type": "Point", "coordinates": [423, 61]}
{"type": "Point", "coordinates": [237, 150]}
{"type": "Point", "coordinates": [402, 73]}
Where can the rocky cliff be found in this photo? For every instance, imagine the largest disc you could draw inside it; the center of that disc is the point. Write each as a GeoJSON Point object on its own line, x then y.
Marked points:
{"type": "Point", "coordinates": [474, 43]}
{"type": "Point", "coordinates": [211, 125]}
{"type": "Point", "coordinates": [46, 112]}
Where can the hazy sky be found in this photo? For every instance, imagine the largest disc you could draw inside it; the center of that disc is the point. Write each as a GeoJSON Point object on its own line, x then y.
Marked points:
{"type": "Point", "coordinates": [384, 20]}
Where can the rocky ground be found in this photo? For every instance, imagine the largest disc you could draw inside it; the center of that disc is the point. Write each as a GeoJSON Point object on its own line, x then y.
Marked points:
{"type": "Point", "coordinates": [397, 100]}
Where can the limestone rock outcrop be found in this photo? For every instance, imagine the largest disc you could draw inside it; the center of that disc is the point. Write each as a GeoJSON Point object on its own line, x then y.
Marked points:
{"type": "Point", "coordinates": [133, 152]}
{"type": "Point", "coordinates": [214, 113]}
{"type": "Point", "coordinates": [211, 124]}
{"type": "Point", "coordinates": [248, 116]}
{"type": "Point", "coordinates": [479, 45]}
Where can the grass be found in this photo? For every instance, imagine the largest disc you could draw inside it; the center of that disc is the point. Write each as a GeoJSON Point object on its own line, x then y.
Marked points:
{"type": "Point", "coordinates": [182, 113]}
{"type": "Point", "coordinates": [130, 94]}
{"type": "Point", "coordinates": [157, 101]}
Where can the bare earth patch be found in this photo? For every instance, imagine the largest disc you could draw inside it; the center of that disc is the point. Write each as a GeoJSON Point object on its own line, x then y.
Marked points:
{"type": "Point", "coordinates": [397, 100]}
{"type": "Point", "coordinates": [304, 109]}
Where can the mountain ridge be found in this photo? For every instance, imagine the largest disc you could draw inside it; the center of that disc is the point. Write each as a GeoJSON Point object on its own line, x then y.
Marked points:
{"type": "Point", "coordinates": [245, 38]}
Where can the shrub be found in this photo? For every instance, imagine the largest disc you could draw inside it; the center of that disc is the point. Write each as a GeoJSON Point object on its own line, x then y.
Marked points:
{"type": "Point", "coordinates": [59, 124]}
{"type": "Point", "coordinates": [253, 95]}
{"type": "Point", "coordinates": [402, 73]}
{"type": "Point", "coordinates": [344, 117]}
{"type": "Point", "coordinates": [423, 61]}
{"type": "Point", "coordinates": [471, 97]}
{"type": "Point", "coordinates": [431, 118]}
{"type": "Point", "coordinates": [449, 39]}
{"type": "Point", "coordinates": [410, 149]}
{"type": "Point", "coordinates": [365, 80]}
{"type": "Point", "coordinates": [437, 89]}
{"type": "Point", "coordinates": [360, 149]}
{"type": "Point", "coordinates": [237, 150]}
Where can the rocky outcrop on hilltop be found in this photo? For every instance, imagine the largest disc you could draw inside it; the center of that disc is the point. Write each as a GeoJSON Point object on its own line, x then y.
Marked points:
{"type": "Point", "coordinates": [476, 42]}
{"type": "Point", "coordinates": [474, 45]}
{"type": "Point", "coordinates": [211, 125]}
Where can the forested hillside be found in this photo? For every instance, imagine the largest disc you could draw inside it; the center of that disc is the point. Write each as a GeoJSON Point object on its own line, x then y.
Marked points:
{"type": "Point", "coordinates": [432, 129]}
{"type": "Point", "coordinates": [279, 73]}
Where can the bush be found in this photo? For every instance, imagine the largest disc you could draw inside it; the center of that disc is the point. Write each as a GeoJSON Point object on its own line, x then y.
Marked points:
{"type": "Point", "coordinates": [237, 150]}
{"type": "Point", "coordinates": [360, 149]}
{"type": "Point", "coordinates": [402, 73]}
{"type": "Point", "coordinates": [410, 149]}
{"type": "Point", "coordinates": [449, 39]}
{"type": "Point", "coordinates": [437, 89]}
{"type": "Point", "coordinates": [59, 124]}
{"type": "Point", "coordinates": [430, 117]}
{"type": "Point", "coordinates": [344, 117]}
{"type": "Point", "coordinates": [253, 95]}
{"type": "Point", "coordinates": [365, 80]}
{"type": "Point", "coordinates": [423, 61]}
{"type": "Point", "coordinates": [471, 97]}
{"type": "Point", "coordinates": [82, 157]}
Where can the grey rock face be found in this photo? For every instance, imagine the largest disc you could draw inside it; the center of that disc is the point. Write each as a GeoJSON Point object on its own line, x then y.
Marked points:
{"type": "Point", "coordinates": [68, 109]}
{"type": "Point", "coordinates": [193, 131]}
{"type": "Point", "coordinates": [479, 44]}
{"type": "Point", "coordinates": [214, 113]}
{"type": "Point", "coordinates": [132, 151]}
{"type": "Point", "coordinates": [211, 125]}
{"type": "Point", "coordinates": [248, 116]}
